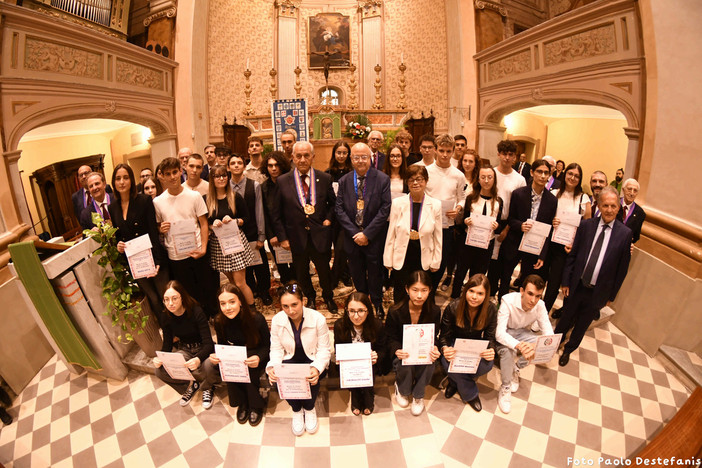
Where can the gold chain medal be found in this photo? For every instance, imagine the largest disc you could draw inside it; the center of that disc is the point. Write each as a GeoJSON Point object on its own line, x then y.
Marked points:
{"type": "Point", "coordinates": [414, 235]}
{"type": "Point", "coordinates": [309, 209]}
{"type": "Point", "coordinates": [359, 204]}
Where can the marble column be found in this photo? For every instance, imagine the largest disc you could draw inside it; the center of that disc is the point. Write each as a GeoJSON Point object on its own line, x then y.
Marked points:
{"type": "Point", "coordinates": [489, 135]}
{"type": "Point", "coordinates": [287, 54]}
{"type": "Point", "coordinates": [372, 53]}
{"type": "Point", "coordinates": [162, 147]}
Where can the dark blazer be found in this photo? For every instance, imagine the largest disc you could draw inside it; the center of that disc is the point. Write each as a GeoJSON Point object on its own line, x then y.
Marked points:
{"type": "Point", "coordinates": [140, 220]}
{"type": "Point", "coordinates": [78, 199]}
{"type": "Point", "coordinates": [269, 190]}
{"type": "Point", "coordinates": [614, 266]}
{"type": "Point", "coordinates": [450, 330]}
{"type": "Point", "coordinates": [556, 183]}
{"type": "Point", "coordinates": [634, 222]}
{"type": "Point", "coordinates": [525, 172]}
{"type": "Point", "coordinates": [399, 315]}
{"type": "Point", "coordinates": [376, 211]}
{"type": "Point", "coordinates": [296, 224]}
{"type": "Point", "coordinates": [520, 211]}
{"type": "Point", "coordinates": [381, 161]}
{"type": "Point", "coordinates": [85, 219]}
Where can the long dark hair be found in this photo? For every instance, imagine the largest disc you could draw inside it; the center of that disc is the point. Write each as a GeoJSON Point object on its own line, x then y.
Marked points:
{"type": "Point", "coordinates": [132, 185]}
{"type": "Point", "coordinates": [422, 277]}
{"type": "Point", "coordinates": [462, 312]}
{"type": "Point", "coordinates": [334, 167]}
{"type": "Point", "coordinates": [403, 167]}
{"type": "Point", "coordinates": [185, 299]}
{"type": "Point", "coordinates": [475, 194]}
{"type": "Point", "coordinates": [476, 166]}
{"type": "Point", "coordinates": [294, 288]}
{"type": "Point", "coordinates": [247, 317]}
{"type": "Point", "coordinates": [370, 325]}
{"type": "Point", "coordinates": [578, 188]}
{"type": "Point", "coordinates": [280, 158]}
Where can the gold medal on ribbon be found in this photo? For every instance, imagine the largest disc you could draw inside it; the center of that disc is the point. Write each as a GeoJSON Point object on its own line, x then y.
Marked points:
{"type": "Point", "coordinates": [359, 204]}
{"type": "Point", "coordinates": [414, 235]}
{"type": "Point", "coordinates": [309, 209]}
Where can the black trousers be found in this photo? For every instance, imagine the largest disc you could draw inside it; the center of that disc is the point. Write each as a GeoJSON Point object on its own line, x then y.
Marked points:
{"type": "Point", "coordinates": [198, 278]}
{"type": "Point", "coordinates": [413, 262]}
{"type": "Point", "coordinates": [446, 254]}
{"type": "Point", "coordinates": [578, 313]}
{"type": "Point", "coordinates": [340, 267]}
{"type": "Point", "coordinates": [469, 258]}
{"type": "Point", "coordinates": [365, 264]}
{"type": "Point", "coordinates": [258, 277]}
{"type": "Point", "coordinates": [511, 257]}
{"type": "Point", "coordinates": [301, 263]}
{"type": "Point", "coordinates": [556, 263]}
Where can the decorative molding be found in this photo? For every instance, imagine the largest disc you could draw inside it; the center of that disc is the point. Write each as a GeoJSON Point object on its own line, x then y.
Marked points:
{"type": "Point", "coordinates": [169, 12]}
{"type": "Point", "coordinates": [586, 44]}
{"type": "Point", "coordinates": [287, 8]}
{"type": "Point", "coordinates": [41, 55]}
{"type": "Point", "coordinates": [537, 94]}
{"type": "Point", "coordinates": [370, 8]}
{"type": "Point", "coordinates": [74, 20]}
{"type": "Point", "coordinates": [110, 106]}
{"type": "Point", "coordinates": [19, 106]}
{"type": "Point", "coordinates": [483, 4]}
{"type": "Point", "coordinates": [514, 64]}
{"type": "Point", "coordinates": [626, 86]}
{"type": "Point", "coordinates": [138, 75]}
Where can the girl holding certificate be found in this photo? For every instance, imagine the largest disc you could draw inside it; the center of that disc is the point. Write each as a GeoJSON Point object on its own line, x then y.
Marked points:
{"type": "Point", "coordinates": [471, 317]}
{"type": "Point", "coordinates": [224, 206]}
{"type": "Point", "coordinates": [571, 199]}
{"type": "Point", "coordinates": [238, 325]}
{"type": "Point", "coordinates": [300, 336]}
{"type": "Point", "coordinates": [133, 215]}
{"type": "Point", "coordinates": [483, 201]}
{"type": "Point", "coordinates": [396, 169]}
{"type": "Point", "coordinates": [184, 319]}
{"type": "Point", "coordinates": [359, 325]}
{"type": "Point", "coordinates": [415, 234]}
{"type": "Point", "coordinates": [412, 327]}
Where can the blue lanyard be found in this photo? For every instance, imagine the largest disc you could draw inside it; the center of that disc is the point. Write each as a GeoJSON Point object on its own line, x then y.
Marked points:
{"type": "Point", "coordinates": [355, 186]}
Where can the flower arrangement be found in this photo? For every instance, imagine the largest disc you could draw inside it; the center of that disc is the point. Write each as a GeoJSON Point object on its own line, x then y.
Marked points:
{"type": "Point", "coordinates": [358, 127]}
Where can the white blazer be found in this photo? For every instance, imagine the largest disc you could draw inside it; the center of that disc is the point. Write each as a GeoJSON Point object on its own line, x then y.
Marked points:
{"type": "Point", "coordinates": [430, 233]}
{"type": "Point", "coordinates": [314, 335]}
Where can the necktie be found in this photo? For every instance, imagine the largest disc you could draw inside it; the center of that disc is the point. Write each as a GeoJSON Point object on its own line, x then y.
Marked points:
{"type": "Point", "coordinates": [625, 209]}
{"type": "Point", "coordinates": [105, 213]}
{"type": "Point", "coordinates": [521, 166]}
{"type": "Point", "coordinates": [88, 199]}
{"type": "Point", "coordinates": [359, 193]}
{"type": "Point", "coordinates": [594, 256]}
{"type": "Point", "coordinates": [305, 187]}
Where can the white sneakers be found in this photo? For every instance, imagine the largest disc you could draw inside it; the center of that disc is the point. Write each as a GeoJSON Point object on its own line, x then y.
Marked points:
{"type": "Point", "coordinates": [298, 423]}
{"type": "Point", "coordinates": [311, 423]}
{"type": "Point", "coordinates": [305, 420]}
{"type": "Point", "coordinates": [402, 401]}
{"type": "Point", "coordinates": [515, 380]}
{"type": "Point", "coordinates": [504, 399]}
{"type": "Point", "coordinates": [417, 406]}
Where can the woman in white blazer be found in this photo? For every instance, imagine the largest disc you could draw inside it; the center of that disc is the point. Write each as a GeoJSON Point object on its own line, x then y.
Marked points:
{"type": "Point", "coordinates": [415, 233]}
{"type": "Point", "coordinates": [300, 336]}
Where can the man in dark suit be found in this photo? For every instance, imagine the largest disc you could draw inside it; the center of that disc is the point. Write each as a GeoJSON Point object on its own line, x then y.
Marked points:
{"type": "Point", "coordinates": [99, 200]}
{"type": "Point", "coordinates": [523, 168]}
{"type": "Point", "coordinates": [630, 213]}
{"type": "Point", "coordinates": [598, 181]}
{"type": "Point", "coordinates": [82, 199]}
{"type": "Point", "coordinates": [552, 183]}
{"type": "Point", "coordinates": [375, 141]}
{"type": "Point", "coordinates": [532, 202]}
{"type": "Point", "coordinates": [306, 212]}
{"type": "Point", "coordinates": [594, 271]}
{"type": "Point", "coordinates": [362, 208]}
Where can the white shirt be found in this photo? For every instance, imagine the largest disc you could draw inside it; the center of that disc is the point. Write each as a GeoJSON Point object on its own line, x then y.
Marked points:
{"type": "Point", "coordinates": [605, 243]}
{"type": "Point", "coordinates": [511, 315]}
{"type": "Point", "coordinates": [506, 184]}
{"type": "Point", "coordinates": [187, 205]}
{"type": "Point", "coordinates": [202, 188]}
{"type": "Point", "coordinates": [568, 204]}
{"type": "Point", "coordinates": [446, 183]}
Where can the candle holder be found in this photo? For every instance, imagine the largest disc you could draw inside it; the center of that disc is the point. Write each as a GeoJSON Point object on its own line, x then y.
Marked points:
{"type": "Point", "coordinates": [298, 85]}
{"type": "Point", "coordinates": [352, 88]}
{"type": "Point", "coordinates": [402, 84]}
{"type": "Point", "coordinates": [378, 104]}
{"type": "Point", "coordinates": [274, 85]}
{"type": "Point", "coordinates": [248, 110]}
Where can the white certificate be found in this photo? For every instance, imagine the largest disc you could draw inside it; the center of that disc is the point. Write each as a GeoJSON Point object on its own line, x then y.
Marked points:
{"type": "Point", "coordinates": [257, 259]}
{"type": "Point", "coordinates": [174, 363]}
{"type": "Point", "coordinates": [355, 365]}
{"type": "Point", "coordinates": [564, 233]}
{"type": "Point", "coordinates": [232, 367]}
{"type": "Point", "coordinates": [546, 347]}
{"type": "Point", "coordinates": [282, 255]}
{"type": "Point", "coordinates": [183, 234]}
{"type": "Point", "coordinates": [292, 381]}
{"type": "Point", "coordinates": [480, 232]}
{"type": "Point", "coordinates": [467, 356]}
{"type": "Point", "coordinates": [446, 205]}
{"type": "Point", "coordinates": [533, 241]}
{"type": "Point", "coordinates": [418, 341]}
{"type": "Point", "coordinates": [139, 256]}
{"type": "Point", "coordinates": [229, 238]}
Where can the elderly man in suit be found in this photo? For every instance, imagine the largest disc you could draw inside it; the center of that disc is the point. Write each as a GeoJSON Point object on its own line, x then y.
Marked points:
{"type": "Point", "coordinates": [594, 271]}
{"type": "Point", "coordinates": [99, 200]}
{"type": "Point", "coordinates": [375, 141]}
{"type": "Point", "coordinates": [362, 208]}
{"type": "Point", "coordinates": [306, 201]}
{"type": "Point", "coordinates": [82, 199]}
{"type": "Point", "coordinates": [523, 168]}
{"type": "Point", "coordinates": [631, 214]}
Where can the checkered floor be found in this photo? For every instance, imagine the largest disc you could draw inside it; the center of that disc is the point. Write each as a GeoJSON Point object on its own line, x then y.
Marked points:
{"type": "Point", "coordinates": [609, 401]}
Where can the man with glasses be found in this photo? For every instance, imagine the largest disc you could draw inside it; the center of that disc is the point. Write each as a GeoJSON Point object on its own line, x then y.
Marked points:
{"type": "Point", "coordinates": [306, 201]}
{"type": "Point", "coordinates": [630, 213]}
{"type": "Point", "coordinates": [143, 175]}
{"type": "Point", "coordinates": [427, 146]}
{"type": "Point", "coordinates": [362, 208]}
{"type": "Point", "coordinates": [375, 140]}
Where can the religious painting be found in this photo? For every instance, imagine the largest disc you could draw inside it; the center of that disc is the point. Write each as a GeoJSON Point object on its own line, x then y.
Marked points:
{"type": "Point", "coordinates": [329, 41]}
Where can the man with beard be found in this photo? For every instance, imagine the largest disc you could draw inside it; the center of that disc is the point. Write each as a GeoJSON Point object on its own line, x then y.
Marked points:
{"type": "Point", "coordinates": [617, 182]}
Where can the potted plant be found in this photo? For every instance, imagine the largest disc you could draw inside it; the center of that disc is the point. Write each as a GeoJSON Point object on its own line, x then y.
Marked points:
{"type": "Point", "coordinates": [358, 127]}
{"type": "Point", "coordinates": [126, 305]}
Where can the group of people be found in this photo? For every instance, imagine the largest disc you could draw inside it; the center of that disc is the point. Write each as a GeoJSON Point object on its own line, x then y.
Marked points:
{"type": "Point", "coordinates": [399, 219]}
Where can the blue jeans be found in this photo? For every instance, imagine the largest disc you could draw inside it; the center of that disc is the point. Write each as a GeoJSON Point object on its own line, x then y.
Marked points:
{"type": "Point", "coordinates": [507, 355]}
{"type": "Point", "coordinates": [467, 388]}
{"type": "Point", "coordinates": [412, 379]}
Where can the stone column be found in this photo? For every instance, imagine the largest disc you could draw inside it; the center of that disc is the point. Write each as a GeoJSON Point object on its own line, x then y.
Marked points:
{"type": "Point", "coordinates": [20, 201]}
{"type": "Point", "coordinates": [489, 135]}
{"type": "Point", "coordinates": [162, 147]}
{"type": "Point", "coordinates": [372, 50]}
{"type": "Point", "coordinates": [632, 153]}
{"type": "Point", "coordinates": [287, 54]}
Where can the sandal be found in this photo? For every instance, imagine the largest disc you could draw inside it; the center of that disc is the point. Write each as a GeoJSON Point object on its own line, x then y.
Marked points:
{"type": "Point", "coordinates": [367, 411]}
{"type": "Point", "coordinates": [356, 411]}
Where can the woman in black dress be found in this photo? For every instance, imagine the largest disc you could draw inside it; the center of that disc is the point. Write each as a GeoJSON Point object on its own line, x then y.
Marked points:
{"type": "Point", "coordinates": [133, 215]}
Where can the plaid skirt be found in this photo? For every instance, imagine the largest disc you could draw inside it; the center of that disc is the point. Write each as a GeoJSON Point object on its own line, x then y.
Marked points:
{"type": "Point", "coordinates": [231, 262]}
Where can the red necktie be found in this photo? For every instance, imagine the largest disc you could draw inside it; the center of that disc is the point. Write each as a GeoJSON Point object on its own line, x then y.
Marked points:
{"type": "Point", "coordinates": [105, 213]}
{"type": "Point", "coordinates": [625, 208]}
{"type": "Point", "coordinates": [305, 187]}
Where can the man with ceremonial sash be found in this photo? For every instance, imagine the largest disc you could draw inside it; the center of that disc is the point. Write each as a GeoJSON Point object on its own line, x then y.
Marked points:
{"type": "Point", "coordinates": [98, 201]}
{"type": "Point", "coordinates": [306, 213]}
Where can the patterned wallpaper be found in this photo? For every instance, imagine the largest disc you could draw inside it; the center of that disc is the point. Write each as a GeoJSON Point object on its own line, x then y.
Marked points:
{"type": "Point", "coordinates": [414, 28]}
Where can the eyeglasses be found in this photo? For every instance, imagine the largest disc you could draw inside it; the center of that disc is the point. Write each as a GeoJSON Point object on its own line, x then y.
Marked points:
{"type": "Point", "coordinates": [415, 180]}
{"type": "Point", "coordinates": [542, 173]}
{"type": "Point", "coordinates": [358, 312]}
{"type": "Point", "coordinates": [171, 300]}
{"type": "Point", "coordinates": [363, 157]}
{"type": "Point", "coordinates": [221, 176]}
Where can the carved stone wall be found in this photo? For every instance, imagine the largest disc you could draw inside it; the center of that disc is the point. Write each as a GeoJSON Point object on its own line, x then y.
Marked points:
{"type": "Point", "coordinates": [597, 41]}
{"type": "Point", "coordinates": [41, 55]}
{"type": "Point", "coordinates": [510, 66]}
